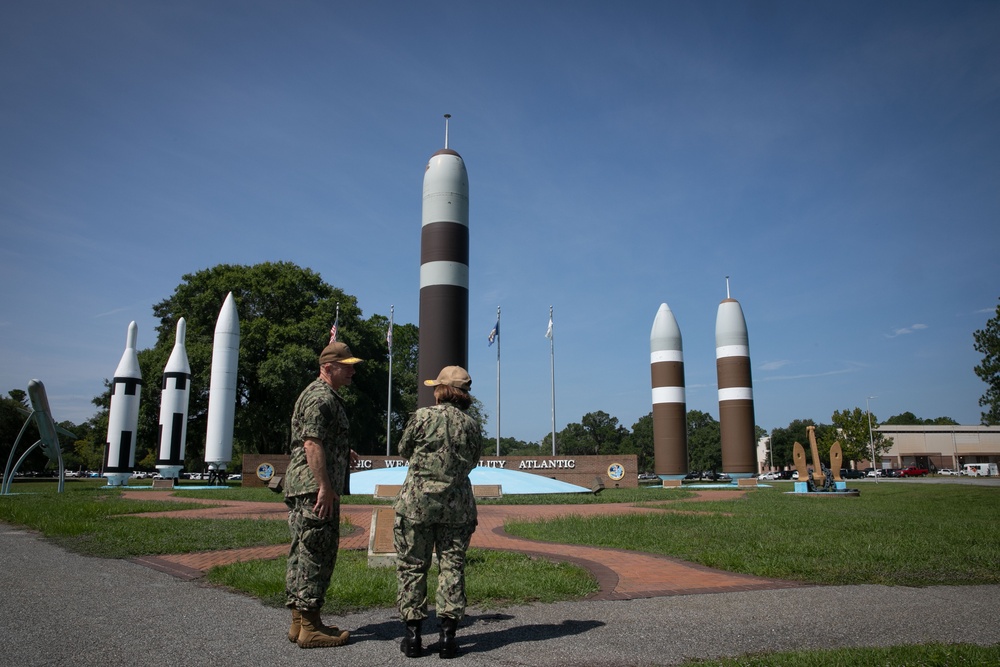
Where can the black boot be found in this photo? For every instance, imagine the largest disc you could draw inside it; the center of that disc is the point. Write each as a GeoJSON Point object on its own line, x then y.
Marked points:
{"type": "Point", "coordinates": [410, 645]}
{"type": "Point", "coordinates": [449, 647]}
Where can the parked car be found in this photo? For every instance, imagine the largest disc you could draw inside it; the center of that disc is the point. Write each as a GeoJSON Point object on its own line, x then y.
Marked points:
{"type": "Point", "coordinates": [694, 474]}
{"type": "Point", "coordinates": [914, 471]}
{"type": "Point", "coordinates": [947, 471]}
{"type": "Point", "coordinates": [643, 477]}
{"type": "Point", "coordinates": [847, 473]}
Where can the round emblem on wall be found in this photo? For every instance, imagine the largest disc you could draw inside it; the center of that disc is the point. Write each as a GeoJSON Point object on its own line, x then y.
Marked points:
{"type": "Point", "coordinates": [265, 471]}
{"type": "Point", "coordinates": [616, 471]}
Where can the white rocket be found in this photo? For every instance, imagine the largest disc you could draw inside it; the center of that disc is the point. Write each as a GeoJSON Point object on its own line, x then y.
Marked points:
{"type": "Point", "coordinates": [174, 399]}
{"type": "Point", "coordinates": [123, 416]}
{"type": "Point", "coordinates": [222, 389]}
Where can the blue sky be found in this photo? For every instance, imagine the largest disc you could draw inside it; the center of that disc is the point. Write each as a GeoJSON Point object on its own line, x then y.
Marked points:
{"type": "Point", "coordinates": [839, 161]}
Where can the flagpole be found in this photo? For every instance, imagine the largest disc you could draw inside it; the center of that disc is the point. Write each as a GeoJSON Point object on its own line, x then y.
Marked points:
{"type": "Point", "coordinates": [388, 410]}
{"type": "Point", "coordinates": [552, 369]}
{"type": "Point", "coordinates": [498, 380]}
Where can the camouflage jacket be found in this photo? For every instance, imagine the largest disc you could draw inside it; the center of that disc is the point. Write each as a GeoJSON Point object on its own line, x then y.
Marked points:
{"type": "Point", "coordinates": [443, 445]}
{"type": "Point", "coordinates": [319, 415]}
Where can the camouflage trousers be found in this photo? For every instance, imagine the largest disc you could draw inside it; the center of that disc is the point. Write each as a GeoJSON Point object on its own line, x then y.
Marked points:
{"type": "Point", "coordinates": [415, 543]}
{"type": "Point", "coordinates": [313, 553]}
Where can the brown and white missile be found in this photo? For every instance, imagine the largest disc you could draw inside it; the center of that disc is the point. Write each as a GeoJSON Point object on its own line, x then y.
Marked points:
{"type": "Point", "coordinates": [444, 269]}
{"type": "Point", "coordinates": [666, 363]}
{"type": "Point", "coordinates": [736, 418]}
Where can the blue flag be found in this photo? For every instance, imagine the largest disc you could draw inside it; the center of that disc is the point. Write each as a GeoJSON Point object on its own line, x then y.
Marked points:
{"type": "Point", "coordinates": [494, 333]}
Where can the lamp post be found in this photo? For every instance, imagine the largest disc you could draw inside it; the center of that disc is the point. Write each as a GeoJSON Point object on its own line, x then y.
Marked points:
{"type": "Point", "coordinates": [871, 437]}
{"type": "Point", "coordinates": [770, 450]}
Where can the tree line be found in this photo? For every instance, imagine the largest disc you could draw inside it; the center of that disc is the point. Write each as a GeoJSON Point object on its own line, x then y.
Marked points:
{"type": "Point", "coordinates": [285, 317]}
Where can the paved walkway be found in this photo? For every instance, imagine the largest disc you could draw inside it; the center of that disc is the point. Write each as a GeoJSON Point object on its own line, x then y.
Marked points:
{"type": "Point", "coordinates": [621, 574]}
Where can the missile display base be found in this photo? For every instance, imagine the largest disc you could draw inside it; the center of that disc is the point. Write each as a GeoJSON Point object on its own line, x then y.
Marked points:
{"type": "Point", "coordinates": [836, 490]}
{"type": "Point", "coordinates": [217, 477]}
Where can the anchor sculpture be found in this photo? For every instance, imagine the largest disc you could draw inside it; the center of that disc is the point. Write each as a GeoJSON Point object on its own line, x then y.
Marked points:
{"type": "Point", "coordinates": [821, 478]}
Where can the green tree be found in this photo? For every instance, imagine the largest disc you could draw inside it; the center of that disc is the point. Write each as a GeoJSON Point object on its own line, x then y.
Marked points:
{"type": "Point", "coordinates": [571, 440]}
{"type": "Point", "coordinates": [513, 447]}
{"type": "Point", "coordinates": [855, 437]}
{"type": "Point", "coordinates": [783, 441]}
{"type": "Point", "coordinates": [704, 441]}
{"type": "Point", "coordinates": [988, 345]}
{"type": "Point", "coordinates": [604, 431]}
{"type": "Point", "coordinates": [640, 443]}
{"type": "Point", "coordinates": [14, 412]}
{"type": "Point", "coordinates": [910, 419]}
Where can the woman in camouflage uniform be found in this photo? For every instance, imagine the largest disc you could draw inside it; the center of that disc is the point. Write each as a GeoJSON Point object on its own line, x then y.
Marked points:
{"type": "Point", "coordinates": [435, 509]}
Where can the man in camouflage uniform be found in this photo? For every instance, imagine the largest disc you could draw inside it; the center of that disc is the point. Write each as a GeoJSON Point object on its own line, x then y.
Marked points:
{"type": "Point", "coordinates": [313, 482]}
{"type": "Point", "coordinates": [435, 508]}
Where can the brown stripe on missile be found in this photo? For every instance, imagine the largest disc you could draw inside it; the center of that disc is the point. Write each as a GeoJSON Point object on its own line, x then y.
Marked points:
{"type": "Point", "coordinates": [733, 372]}
{"type": "Point", "coordinates": [444, 241]}
{"type": "Point", "coordinates": [444, 334]}
{"type": "Point", "coordinates": [736, 425]}
{"type": "Point", "coordinates": [667, 374]}
{"type": "Point", "coordinates": [670, 438]}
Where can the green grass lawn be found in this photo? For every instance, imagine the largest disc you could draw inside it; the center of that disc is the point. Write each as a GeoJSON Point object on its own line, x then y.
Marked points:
{"type": "Point", "coordinates": [894, 534]}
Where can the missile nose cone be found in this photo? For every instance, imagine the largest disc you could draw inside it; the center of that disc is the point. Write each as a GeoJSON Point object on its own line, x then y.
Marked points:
{"type": "Point", "coordinates": [178, 361]}
{"type": "Point", "coordinates": [229, 318]}
{"type": "Point", "coordinates": [36, 394]}
{"type": "Point", "coordinates": [730, 325]}
{"type": "Point", "coordinates": [665, 334]}
{"type": "Point", "coordinates": [128, 367]}
{"type": "Point", "coordinates": [132, 336]}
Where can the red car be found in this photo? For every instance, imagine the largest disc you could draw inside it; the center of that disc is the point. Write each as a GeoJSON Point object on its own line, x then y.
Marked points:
{"type": "Point", "coordinates": [913, 471]}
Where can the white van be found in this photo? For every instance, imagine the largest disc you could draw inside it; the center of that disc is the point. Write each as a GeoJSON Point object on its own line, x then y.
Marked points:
{"type": "Point", "coordinates": [980, 469]}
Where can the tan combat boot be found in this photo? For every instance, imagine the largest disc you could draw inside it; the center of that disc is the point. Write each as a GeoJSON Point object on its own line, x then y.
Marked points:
{"type": "Point", "coordinates": [293, 630]}
{"type": "Point", "coordinates": [313, 634]}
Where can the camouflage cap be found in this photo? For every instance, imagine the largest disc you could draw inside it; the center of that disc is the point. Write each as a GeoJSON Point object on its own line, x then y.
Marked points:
{"type": "Point", "coordinates": [337, 352]}
{"type": "Point", "coordinates": [453, 376]}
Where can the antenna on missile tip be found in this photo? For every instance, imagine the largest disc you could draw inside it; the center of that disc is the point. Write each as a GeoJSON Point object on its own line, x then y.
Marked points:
{"type": "Point", "coordinates": [727, 287]}
{"type": "Point", "coordinates": [446, 117]}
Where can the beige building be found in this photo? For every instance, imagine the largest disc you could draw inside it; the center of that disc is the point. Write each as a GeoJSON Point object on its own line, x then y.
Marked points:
{"type": "Point", "coordinates": [936, 447]}
{"type": "Point", "coordinates": [931, 447]}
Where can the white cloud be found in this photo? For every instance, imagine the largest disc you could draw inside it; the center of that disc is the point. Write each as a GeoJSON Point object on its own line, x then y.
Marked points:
{"type": "Point", "coordinates": [906, 330]}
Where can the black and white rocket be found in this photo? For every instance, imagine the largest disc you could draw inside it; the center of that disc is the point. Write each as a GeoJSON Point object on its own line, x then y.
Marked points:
{"type": "Point", "coordinates": [174, 399]}
{"type": "Point", "coordinates": [666, 363]}
{"type": "Point", "coordinates": [123, 415]}
{"type": "Point", "coordinates": [736, 417]}
{"type": "Point", "coordinates": [444, 268]}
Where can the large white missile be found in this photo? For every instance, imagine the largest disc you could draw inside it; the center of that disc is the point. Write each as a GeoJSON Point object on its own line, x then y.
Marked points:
{"type": "Point", "coordinates": [174, 399]}
{"type": "Point", "coordinates": [444, 268]}
{"type": "Point", "coordinates": [666, 362]}
{"type": "Point", "coordinates": [123, 416]}
{"type": "Point", "coordinates": [222, 387]}
{"type": "Point", "coordinates": [736, 417]}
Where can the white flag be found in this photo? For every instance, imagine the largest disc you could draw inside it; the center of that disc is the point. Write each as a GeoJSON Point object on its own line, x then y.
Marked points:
{"type": "Point", "coordinates": [548, 334]}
